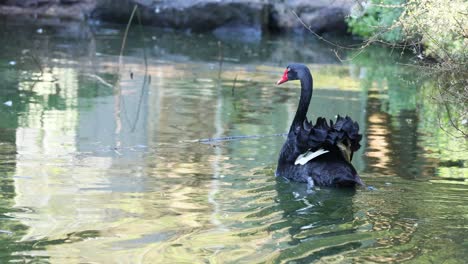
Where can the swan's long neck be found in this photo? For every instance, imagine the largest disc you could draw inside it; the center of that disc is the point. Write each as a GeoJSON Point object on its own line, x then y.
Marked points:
{"type": "Point", "coordinates": [304, 101]}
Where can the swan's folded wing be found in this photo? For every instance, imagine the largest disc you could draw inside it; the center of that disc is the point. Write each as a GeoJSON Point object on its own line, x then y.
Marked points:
{"type": "Point", "coordinates": [308, 137]}
{"type": "Point", "coordinates": [341, 135]}
{"type": "Point", "coordinates": [309, 155]}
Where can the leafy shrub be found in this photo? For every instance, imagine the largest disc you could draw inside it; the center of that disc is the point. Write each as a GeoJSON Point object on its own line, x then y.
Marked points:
{"type": "Point", "coordinates": [440, 25]}
{"type": "Point", "coordinates": [377, 18]}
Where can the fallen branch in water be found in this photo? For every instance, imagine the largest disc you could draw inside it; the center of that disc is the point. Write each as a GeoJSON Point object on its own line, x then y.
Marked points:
{"type": "Point", "coordinates": [231, 138]}
{"type": "Point", "coordinates": [146, 76]}
{"type": "Point", "coordinates": [100, 79]}
{"type": "Point", "coordinates": [234, 85]}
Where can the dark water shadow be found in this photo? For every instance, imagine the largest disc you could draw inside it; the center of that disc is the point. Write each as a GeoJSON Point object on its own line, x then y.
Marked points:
{"type": "Point", "coordinates": [319, 223]}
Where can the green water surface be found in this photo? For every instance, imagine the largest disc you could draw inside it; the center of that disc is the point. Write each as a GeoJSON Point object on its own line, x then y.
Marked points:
{"type": "Point", "coordinates": [98, 162]}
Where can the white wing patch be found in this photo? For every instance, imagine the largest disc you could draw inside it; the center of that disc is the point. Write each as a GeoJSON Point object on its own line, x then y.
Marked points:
{"type": "Point", "coordinates": [309, 155]}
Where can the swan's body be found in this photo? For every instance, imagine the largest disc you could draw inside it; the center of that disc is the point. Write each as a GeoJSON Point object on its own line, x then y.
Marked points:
{"type": "Point", "coordinates": [319, 154]}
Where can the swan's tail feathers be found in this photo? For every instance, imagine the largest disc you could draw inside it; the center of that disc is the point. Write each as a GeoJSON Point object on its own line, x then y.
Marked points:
{"type": "Point", "coordinates": [350, 181]}
{"type": "Point", "coordinates": [343, 134]}
{"type": "Point", "coordinates": [309, 155]}
{"type": "Point", "coordinates": [345, 128]}
{"type": "Point", "coordinates": [357, 180]}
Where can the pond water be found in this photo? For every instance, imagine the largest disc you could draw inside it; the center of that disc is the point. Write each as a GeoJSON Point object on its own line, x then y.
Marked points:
{"type": "Point", "coordinates": [100, 163]}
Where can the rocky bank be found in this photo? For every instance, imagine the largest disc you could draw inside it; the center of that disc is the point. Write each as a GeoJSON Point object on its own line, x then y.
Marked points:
{"type": "Point", "coordinates": [220, 16]}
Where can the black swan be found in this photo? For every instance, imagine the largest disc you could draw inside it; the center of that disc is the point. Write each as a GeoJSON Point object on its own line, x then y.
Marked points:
{"type": "Point", "coordinates": [318, 154]}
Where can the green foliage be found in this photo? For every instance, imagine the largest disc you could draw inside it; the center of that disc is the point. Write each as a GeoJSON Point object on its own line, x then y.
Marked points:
{"type": "Point", "coordinates": [377, 18]}
{"type": "Point", "coordinates": [440, 25]}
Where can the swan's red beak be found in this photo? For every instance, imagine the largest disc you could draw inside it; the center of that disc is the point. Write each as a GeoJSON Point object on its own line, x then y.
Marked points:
{"type": "Point", "coordinates": [284, 78]}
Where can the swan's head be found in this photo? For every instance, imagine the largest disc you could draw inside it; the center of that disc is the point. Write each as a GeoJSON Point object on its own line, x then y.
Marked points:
{"type": "Point", "coordinates": [294, 71]}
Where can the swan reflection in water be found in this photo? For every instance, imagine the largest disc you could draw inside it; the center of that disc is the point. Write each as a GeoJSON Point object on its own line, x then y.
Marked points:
{"type": "Point", "coordinates": [318, 223]}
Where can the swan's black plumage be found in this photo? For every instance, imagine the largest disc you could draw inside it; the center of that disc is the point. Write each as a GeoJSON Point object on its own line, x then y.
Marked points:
{"type": "Point", "coordinates": [341, 139]}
